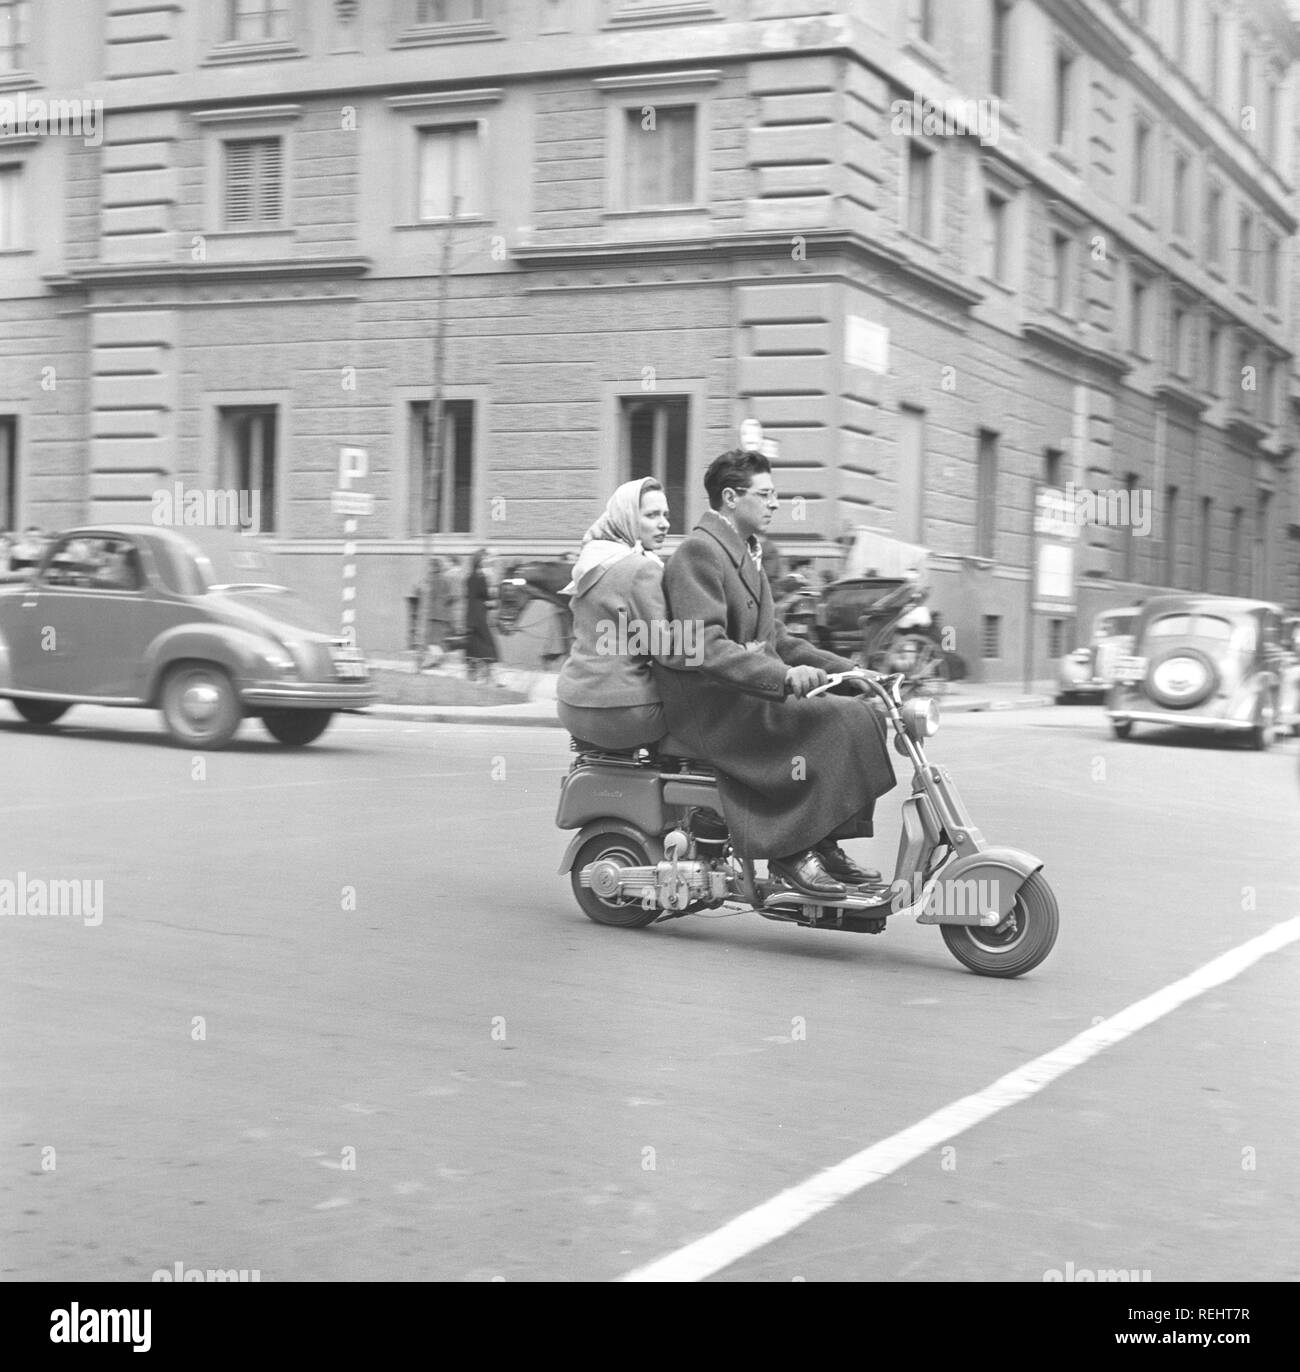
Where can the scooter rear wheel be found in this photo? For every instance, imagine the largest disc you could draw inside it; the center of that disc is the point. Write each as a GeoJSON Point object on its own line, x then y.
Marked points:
{"type": "Point", "coordinates": [621, 913]}
{"type": "Point", "coordinates": [1018, 944]}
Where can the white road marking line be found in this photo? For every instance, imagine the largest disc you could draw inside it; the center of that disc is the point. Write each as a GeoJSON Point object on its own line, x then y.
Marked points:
{"type": "Point", "coordinates": [787, 1211]}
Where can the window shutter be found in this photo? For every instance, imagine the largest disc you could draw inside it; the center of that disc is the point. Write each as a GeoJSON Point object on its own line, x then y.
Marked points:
{"type": "Point", "coordinates": [240, 171]}
{"type": "Point", "coordinates": [270, 210]}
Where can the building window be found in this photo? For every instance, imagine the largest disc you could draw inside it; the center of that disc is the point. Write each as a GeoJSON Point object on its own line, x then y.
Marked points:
{"type": "Point", "coordinates": [426, 13]}
{"type": "Point", "coordinates": [1180, 35]}
{"type": "Point", "coordinates": [11, 207]}
{"type": "Point", "coordinates": [1137, 316]}
{"type": "Point", "coordinates": [1271, 118]}
{"type": "Point", "coordinates": [1234, 551]}
{"type": "Point", "coordinates": [986, 494]}
{"type": "Point", "coordinates": [1214, 58]}
{"type": "Point", "coordinates": [911, 474]}
{"type": "Point", "coordinates": [1128, 544]}
{"type": "Point", "coordinates": [995, 236]}
{"type": "Point", "coordinates": [1178, 340]}
{"type": "Point", "coordinates": [1245, 250]}
{"type": "Point", "coordinates": [257, 21]}
{"type": "Point", "coordinates": [1055, 639]}
{"type": "Point", "coordinates": [920, 190]}
{"type": "Point", "coordinates": [1268, 392]}
{"type": "Point", "coordinates": [15, 34]}
{"type": "Point", "coordinates": [1171, 535]}
{"type": "Point", "coordinates": [1259, 554]}
{"type": "Point", "coordinates": [999, 45]}
{"type": "Point", "coordinates": [1206, 532]}
{"type": "Point", "coordinates": [451, 172]}
{"type": "Point", "coordinates": [654, 441]}
{"type": "Point", "coordinates": [1272, 268]}
{"type": "Point", "coordinates": [1062, 272]}
{"type": "Point", "coordinates": [8, 475]}
{"type": "Point", "coordinates": [1064, 97]}
{"type": "Point", "coordinates": [247, 456]}
{"type": "Point", "coordinates": [1181, 169]}
{"type": "Point", "coordinates": [1214, 225]}
{"type": "Point", "coordinates": [920, 21]}
{"type": "Point", "coordinates": [1245, 381]}
{"type": "Point", "coordinates": [659, 156]}
{"type": "Point", "coordinates": [1245, 84]}
{"type": "Point", "coordinates": [1142, 162]}
{"type": "Point", "coordinates": [1053, 465]}
{"type": "Point", "coordinates": [442, 500]}
{"type": "Point", "coordinates": [254, 183]}
{"type": "Point", "coordinates": [991, 636]}
{"type": "Point", "coordinates": [1214, 359]}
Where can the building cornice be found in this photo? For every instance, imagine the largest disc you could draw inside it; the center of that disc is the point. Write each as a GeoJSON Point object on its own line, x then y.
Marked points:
{"type": "Point", "coordinates": [114, 276]}
{"type": "Point", "coordinates": [765, 244]}
{"type": "Point", "coordinates": [1062, 342]}
{"type": "Point", "coordinates": [1176, 395]}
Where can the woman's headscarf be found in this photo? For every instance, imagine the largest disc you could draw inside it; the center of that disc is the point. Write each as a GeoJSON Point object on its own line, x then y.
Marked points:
{"type": "Point", "coordinates": [614, 536]}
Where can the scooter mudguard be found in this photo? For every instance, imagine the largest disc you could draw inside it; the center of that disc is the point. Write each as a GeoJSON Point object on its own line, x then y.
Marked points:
{"type": "Point", "coordinates": [653, 846]}
{"type": "Point", "coordinates": [980, 888]}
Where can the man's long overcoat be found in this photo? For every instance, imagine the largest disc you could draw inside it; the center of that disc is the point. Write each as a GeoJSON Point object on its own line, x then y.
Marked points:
{"type": "Point", "coordinates": [791, 772]}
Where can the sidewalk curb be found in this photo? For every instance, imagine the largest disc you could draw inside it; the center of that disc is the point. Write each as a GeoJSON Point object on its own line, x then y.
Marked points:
{"type": "Point", "coordinates": [543, 719]}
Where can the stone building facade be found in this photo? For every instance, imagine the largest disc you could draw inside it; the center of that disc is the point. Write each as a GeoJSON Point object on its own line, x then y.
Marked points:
{"type": "Point", "coordinates": [947, 253]}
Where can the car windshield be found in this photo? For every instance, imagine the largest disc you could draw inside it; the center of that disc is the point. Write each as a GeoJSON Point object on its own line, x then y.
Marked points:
{"type": "Point", "coordinates": [237, 565]}
{"type": "Point", "coordinates": [1111, 626]}
{"type": "Point", "coordinates": [1209, 627]}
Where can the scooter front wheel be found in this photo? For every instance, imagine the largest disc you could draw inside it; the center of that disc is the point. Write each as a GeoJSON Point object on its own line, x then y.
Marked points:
{"type": "Point", "coordinates": [1015, 946]}
{"type": "Point", "coordinates": [618, 911]}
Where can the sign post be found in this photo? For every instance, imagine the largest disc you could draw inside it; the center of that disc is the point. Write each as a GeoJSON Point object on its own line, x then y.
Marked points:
{"type": "Point", "coordinates": [354, 463]}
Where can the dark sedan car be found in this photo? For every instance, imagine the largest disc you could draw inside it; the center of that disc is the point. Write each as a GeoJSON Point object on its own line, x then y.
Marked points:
{"type": "Point", "coordinates": [1204, 662]}
{"type": "Point", "coordinates": [195, 622]}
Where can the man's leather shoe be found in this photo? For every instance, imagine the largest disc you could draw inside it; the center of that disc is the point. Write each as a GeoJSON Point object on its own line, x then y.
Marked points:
{"type": "Point", "coordinates": [842, 867]}
{"type": "Point", "coordinates": [806, 874]}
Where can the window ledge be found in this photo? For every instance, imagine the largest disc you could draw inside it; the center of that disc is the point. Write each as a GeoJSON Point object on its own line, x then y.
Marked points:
{"type": "Point", "coordinates": [225, 54]}
{"type": "Point", "coordinates": [683, 12]}
{"type": "Point", "coordinates": [279, 232]}
{"type": "Point", "coordinates": [993, 283]}
{"type": "Point", "coordinates": [923, 51]}
{"type": "Point", "coordinates": [447, 33]}
{"type": "Point", "coordinates": [18, 80]}
{"type": "Point", "coordinates": [17, 252]}
{"type": "Point", "coordinates": [1216, 272]}
{"type": "Point", "coordinates": [445, 221]}
{"type": "Point", "coordinates": [1142, 213]}
{"type": "Point", "coordinates": [641, 211]}
{"type": "Point", "coordinates": [1065, 158]}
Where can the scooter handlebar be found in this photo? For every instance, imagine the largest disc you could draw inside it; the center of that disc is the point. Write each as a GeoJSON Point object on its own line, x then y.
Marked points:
{"type": "Point", "coordinates": [886, 686]}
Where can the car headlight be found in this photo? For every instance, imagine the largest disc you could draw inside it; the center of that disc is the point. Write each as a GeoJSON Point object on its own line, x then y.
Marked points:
{"type": "Point", "coordinates": [279, 660]}
{"type": "Point", "coordinates": [921, 718]}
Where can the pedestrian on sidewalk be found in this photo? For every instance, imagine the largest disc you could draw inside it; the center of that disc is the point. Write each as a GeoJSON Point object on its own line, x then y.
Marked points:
{"type": "Point", "coordinates": [480, 643]}
{"type": "Point", "coordinates": [437, 614]}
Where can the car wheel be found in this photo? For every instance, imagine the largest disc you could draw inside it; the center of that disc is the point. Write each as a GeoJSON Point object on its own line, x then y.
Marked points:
{"type": "Point", "coordinates": [200, 706]}
{"type": "Point", "coordinates": [1264, 729]}
{"type": "Point", "coordinates": [41, 712]}
{"type": "Point", "coordinates": [296, 728]}
{"type": "Point", "coordinates": [1181, 678]}
{"type": "Point", "coordinates": [1121, 728]}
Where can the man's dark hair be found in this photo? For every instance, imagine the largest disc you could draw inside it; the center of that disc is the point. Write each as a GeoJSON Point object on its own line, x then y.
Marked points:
{"type": "Point", "coordinates": [736, 468]}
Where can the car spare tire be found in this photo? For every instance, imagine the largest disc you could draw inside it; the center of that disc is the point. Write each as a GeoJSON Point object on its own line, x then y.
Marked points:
{"type": "Point", "coordinates": [1180, 678]}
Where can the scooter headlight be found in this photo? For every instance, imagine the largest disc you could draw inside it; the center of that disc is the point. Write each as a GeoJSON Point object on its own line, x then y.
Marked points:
{"type": "Point", "coordinates": [921, 718]}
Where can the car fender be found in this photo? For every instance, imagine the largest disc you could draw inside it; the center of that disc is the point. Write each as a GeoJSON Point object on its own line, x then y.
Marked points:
{"type": "Point", "coordinates": [235, 650]}
{"type": "Point", "coordinates": [6, 664]}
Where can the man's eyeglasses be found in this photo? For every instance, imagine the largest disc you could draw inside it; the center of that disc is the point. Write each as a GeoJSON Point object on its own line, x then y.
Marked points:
{"type": "Point", "coordinates": [767, 494]}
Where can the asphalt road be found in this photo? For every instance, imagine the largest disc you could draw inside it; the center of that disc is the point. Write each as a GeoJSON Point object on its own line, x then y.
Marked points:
{"type": "Point", "coordinates": [341, 1019]}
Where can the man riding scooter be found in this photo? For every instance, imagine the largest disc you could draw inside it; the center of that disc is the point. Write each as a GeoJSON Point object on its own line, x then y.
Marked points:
{"type": "Point", "coordinates": [795, 775]}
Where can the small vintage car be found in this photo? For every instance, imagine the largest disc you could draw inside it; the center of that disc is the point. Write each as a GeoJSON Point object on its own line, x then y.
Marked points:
{"type": "Point", "coordinates": [1204, 662]}
{"type": "Point", "coordinates": [195, 622]}
{"type": "Point", "coordinates": [1085, 673]}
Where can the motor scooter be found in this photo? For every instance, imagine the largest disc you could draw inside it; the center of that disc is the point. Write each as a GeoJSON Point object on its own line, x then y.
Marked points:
{"type": "Point", "coordinates": [652, 845]}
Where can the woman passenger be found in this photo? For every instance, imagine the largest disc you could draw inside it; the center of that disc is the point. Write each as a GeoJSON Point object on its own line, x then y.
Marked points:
{"type": "Point", "coordinates": [606, 694]}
